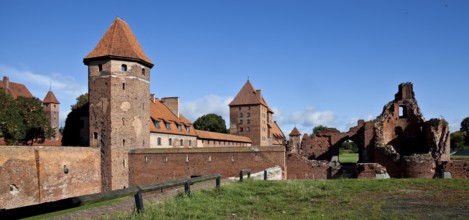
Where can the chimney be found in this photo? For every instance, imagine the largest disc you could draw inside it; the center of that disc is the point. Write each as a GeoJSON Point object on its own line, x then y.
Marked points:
{"type": "Point", "coordinates": [259, 93]}
{"type": "Point", "coordinates": [152, 98]}
{"type": "Point", "coordinates": [172, 103]}
{"type": "Point", "coordinates": [6, 83]}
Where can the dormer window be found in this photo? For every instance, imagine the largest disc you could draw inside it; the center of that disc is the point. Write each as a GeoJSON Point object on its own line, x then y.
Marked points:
{"type": "Point", "coordinates": [124, 68]}
{"type": "Point", "coordinates": [157, 124]}
{"type": "Point", "coordinates": [179, 127]}
{"type": "Point", "coordinates": [188, 128]}
{"type": "Point", "coordinates": [168, 126]}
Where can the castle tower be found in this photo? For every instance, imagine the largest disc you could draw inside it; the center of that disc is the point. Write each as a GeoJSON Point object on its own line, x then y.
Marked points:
{"type": "Point", "coordinates": [119, 93]}
{"type": "Point", "coordinates": [295, 140]}
{"type": "Point", "coordinates": [250, 116]}
{"type": "Point", "coordinates": [51, 107]}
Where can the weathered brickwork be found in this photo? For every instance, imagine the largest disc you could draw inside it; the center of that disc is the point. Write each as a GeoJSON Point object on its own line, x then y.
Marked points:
{"type": "Point", "coordinates": [457, 168]}
{"type": "Point", "coordinates": [302, 168]}
{"type": "Point", "coordinates": [31, 175]}
{"type": "Point", "coordinates": [149, 166]}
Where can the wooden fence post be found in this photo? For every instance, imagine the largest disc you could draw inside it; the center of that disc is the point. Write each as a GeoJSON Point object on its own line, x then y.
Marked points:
{"type": "Point", "coordinates": [187, 187]}
{"type": "Point", "coordinates": [139, 202]}
{"type": "Point", "coordinates": [265, 174]}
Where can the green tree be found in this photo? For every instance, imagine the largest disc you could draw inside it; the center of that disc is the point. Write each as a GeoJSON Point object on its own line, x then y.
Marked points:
{"type": "Point", "coordinates": [319, 128]}
{"type": "Point", "coordinates": [11, 125]}
{"type": "Point", "coordinates": [465, 129]}
{"type": "Point", "coordinates": [36, 124]}
{"type": "Point", "coordinates": [457, 140]}
{"type": "Point", "coordinates": [74, 123]}
{"type": "Point", "coordinates": [211, 122]}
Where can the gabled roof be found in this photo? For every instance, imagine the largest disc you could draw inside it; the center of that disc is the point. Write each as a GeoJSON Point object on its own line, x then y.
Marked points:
{"type": "Point", "coordinates": [223, 137]}
{"type": "Point", "coordinates": [119, 43]}
{"type": "Point", "coordinates": [160, 113]}
{"type": "Point", "coordinates": [295, 132]}
{"type": "Point", "coordinates": [15, 89]}
{"type": "Point", "coordinates": [277, 132]}
{"type": "Point", "coordinates": [248, 96]}
{"type": "Point", "coordinates": [50, 98]}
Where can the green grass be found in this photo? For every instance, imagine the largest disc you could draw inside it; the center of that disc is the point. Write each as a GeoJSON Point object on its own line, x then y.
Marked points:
{"type": "Point", "coordinates": [348, 158]}
{"type": "Point", "coordinates": [332, 199]}
{"type": "Point", "coordinates": [459, 156]}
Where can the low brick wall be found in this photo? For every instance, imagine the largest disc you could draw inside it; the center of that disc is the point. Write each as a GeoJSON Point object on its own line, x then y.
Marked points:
{"type": "Point", "coordinates": [457, 168]}
{"type": "Point", "coordinates": [300, 168]}
{"type": "Point", "coordinates": [369, 171]}
{"type": "Point", "coordinates": [148, 166]}
{"type": "Point", "coordinates": [31, 175]}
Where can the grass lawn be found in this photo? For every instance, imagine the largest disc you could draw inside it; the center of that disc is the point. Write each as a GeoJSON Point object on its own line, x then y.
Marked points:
{"type": "Point", "coordinates": [348, 158]}
{"type": "Point", "coordinates": [332, 199]}
{"type": "Point", "coordinates": [459, 156]}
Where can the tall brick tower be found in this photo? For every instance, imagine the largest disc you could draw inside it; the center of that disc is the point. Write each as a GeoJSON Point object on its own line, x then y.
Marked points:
{"type": "Point", "coordinates": [119, 93]}
{"type": "Point", "coordinates": [295, 140]}
{"type": "Point", "coordinates": [250, 116]}
{"type": "Point", "coordinates": [51, 107]}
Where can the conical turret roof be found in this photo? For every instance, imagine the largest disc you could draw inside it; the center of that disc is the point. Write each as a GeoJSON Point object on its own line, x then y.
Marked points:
{"type": "Point", "coordinates": [249, 96]}
{"type": "Point", "coordinates": [295, 132]}
{"type": "Point", "coordinates": [119, 43]}
{"type": "Point", "coordinates": [50, 98]}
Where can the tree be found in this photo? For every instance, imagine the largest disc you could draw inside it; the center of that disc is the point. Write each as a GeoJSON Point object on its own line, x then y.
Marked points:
{"type": "Point", "coordinates": [11, 124]}
{"type": "Point", "coordinates": [36, 124]}
{"type": "Point", "coordinates": [211, 122]}
{"type": "Point", "coordinates": [465, 129]}
{"type": "Point", "coordinates": [74, 122]}
{"type": "Point", "coordinates": [319, 128]}
{"type": "Point", "coordinates": [457, 140]}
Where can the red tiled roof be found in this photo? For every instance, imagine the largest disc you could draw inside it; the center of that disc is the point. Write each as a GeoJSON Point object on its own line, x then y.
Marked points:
{"type": "Point", "coordinates": [277, 132]}
{"type": "Point", "coordinates": [248, 96]}
{"type": "Point", "coordinates": [160, 113]}
{"type": "Point", "coordinates": [119, 42]}
{"type": "Point", "coordinates": [221, 136]}
{"type": "Point", "coordinates": [295, 132]}
{"type": "Point", "coordinates": [50, 98]}
{"type": "Point", "coordinates": [15, 89]}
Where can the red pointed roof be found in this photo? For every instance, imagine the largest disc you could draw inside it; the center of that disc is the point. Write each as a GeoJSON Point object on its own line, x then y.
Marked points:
{"type": "Point", "coordinates": [248, 96]}
{"type": "Point", "coordinates": [50, 98]}
{"type": "Point", "coordinates": [14, 89]}
{"type": "Point", "coordinates": [119, 43]}
{"type": "Point", "coordinates": [277, 132]}
{"type": "Point", "coordinates": [223, 137]}
{"type": "Point", "coordinates": [295, 132]}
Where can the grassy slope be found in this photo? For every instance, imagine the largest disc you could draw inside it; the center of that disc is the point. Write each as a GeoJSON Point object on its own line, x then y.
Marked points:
{"type": "Point", "coordinates": [343, 199]}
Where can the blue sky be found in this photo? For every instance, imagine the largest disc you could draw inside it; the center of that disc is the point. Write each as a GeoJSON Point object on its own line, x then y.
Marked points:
{"type": "Point", "coordinates": [317, 62]}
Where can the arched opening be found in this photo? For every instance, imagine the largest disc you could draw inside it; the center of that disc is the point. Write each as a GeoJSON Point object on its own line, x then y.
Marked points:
{"type": "Point", "coordinates": [348, 152]}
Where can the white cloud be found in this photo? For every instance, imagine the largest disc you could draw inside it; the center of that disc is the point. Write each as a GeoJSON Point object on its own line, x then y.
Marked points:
{"type": "Point", "coordinates": [304, 120]}
{"type": "Point", "coordinates": [205, 105]}
{"type": "Point", "coordinates": [65, 88]}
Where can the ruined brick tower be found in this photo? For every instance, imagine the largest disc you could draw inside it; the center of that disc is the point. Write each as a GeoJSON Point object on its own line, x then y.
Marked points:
{"type": "Point", "coordinates": [51, 107]}
{"type": "Point", "coordinates": [250, 116]}
{"type": "Point", "coordinates": [119, 92]}
{"type": "Point", "coordinates": [295, 140]}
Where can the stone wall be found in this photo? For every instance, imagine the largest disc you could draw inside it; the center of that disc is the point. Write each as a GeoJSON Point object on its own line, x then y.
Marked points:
{"type": "Point", "coordinates": [31, 175]}
{"type": "Point", "coordinates": [148, 166]}
{"type": "Point", "coordinates": [457, 168]}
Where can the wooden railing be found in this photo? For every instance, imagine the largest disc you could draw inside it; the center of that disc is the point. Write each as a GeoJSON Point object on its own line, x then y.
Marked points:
{"type": "Point", "coordinates": [43, 208]}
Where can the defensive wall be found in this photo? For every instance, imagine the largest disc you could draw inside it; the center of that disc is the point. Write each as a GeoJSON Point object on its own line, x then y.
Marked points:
{"type": "Point", "coordinates": [160, 165]}
{"type": "Point", "coordinates": [31, 175]}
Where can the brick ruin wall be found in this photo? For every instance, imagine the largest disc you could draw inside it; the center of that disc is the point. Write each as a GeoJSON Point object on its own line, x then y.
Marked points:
{"type": "Point", "coordinates": [301, 168]}
{"type": "Point", "coordinates": [148, 166]}
{"type": "Point", "coordinates": [31, 175]}
{"type": "Point", "coordinates": [457, 168]}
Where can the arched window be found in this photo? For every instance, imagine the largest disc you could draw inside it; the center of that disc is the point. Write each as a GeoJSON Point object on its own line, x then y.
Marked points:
{"type": "Point", "coordinates": [124, 68]}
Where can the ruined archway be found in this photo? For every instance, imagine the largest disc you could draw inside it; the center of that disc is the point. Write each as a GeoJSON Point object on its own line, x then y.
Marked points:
{"type": "Point", "coordinates": [348, 151]}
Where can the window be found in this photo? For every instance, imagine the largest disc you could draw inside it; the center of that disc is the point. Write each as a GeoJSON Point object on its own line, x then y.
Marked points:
{"type": "Point", "coordinates": [402, 111]}
{"type": "Point", "coordinates": [181, 142]}
{"type": "Point", "coordinates": [95, 135]}
{"type": "Point", "coordinates": [188, 128]}
{"type": "Point", "coordinates": [158, 141]}
{"type": "Point", "coordinates": [240, 115]}
{"type": "Point", "coordinates": [190, 143]}
{"type": "Point", "coordinates": [241, 121]}
{"type": "Point", "coordinates": [170, 141]}
{"type": "Point", "coordinates": [249, 108]}
{"type": "Point", "coordinates": [240, 129]}
{"type": "Point", "coordinates": [248, 114]}
{"type": "Point", "coordinates": [168, 126]}
{"type": "Point", "coordinates": [100, 67]}
{"type": "Point", "coordinates": [179, 127]}
{"type": "Point", "coordinates": [239, 108]}
{"type": "Point", "coordinates": [248, 121]}
{"type": "Point", "coordinates": [143, 71]}
{"type": "Point", "coordinates": [124, 68]}
{"type": "Point", "coordinates": [248, 129]}
{"type": "Point", "coordinates": [123, 86]}
{"type": "Point", "coordinates": [157, 124]}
